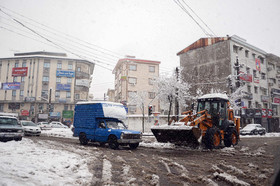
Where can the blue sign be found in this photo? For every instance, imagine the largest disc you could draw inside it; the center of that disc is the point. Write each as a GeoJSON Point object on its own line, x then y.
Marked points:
{"type": "Point", "coordinates": [55, 114]}
{"type": "Point", "coordinates": [64, 73]}
{"type": "Point", "coordinates": [11, 86]}
{"type": "Point", "coordinates": [63, 87]}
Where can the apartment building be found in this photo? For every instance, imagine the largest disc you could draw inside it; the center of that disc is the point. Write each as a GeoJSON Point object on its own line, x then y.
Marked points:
{"type": "Point", "coordinates": [209, 62]}
{"type": "Point", "coordinates": [43, 86]}
{"type": "Point", "coordinates": [135, 77]}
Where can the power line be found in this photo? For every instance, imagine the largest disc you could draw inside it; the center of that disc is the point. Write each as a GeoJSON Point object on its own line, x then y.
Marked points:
{"type": "Point", "coordinates": [116, 55]}
{"type": "Point", "coordinates": [186, 11]}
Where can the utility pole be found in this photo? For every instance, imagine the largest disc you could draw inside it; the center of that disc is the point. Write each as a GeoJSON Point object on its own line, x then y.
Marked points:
{"type": "Point", "coordinates": [176, 97]}
{"type": "Point", "coordinates": [237, 67]}
{"type": "Point", "coordinates": [50, 104]}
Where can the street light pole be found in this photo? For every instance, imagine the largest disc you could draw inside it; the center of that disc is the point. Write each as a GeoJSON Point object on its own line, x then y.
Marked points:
{"type": "Point", "coordinates": [49, 108]}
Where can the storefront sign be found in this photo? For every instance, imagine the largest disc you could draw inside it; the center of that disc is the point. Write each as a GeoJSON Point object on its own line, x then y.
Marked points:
{"type": "Point", "coordinates": [258, 113]}
{"type": "Point", "coordinates": [25, 113]}
{"type": "Point", "coordinates": [63, 86]}
{"type": "Point", "coordinates": [276, 100]}
{"type": "Point", "coordinates": [275, 91]}
{"type": "Point", "coordinates": [264, 113]}
{"type": "Point", "coordinates": [30, 99]}
{"type": "Point", "coordinates": [55, 114]}
{"type": "Point", "coordinates": [67, 114]}
{"type": "Point", "coordinates": [19, 71]}
{"type": "Point", "coordinates": [43, 116]}
{"type": "Point", "coordinates": [82, 82]}
{"type": "Point", "coordinates": [258, 64]}
{"type": "Point", "coordinates": [264, 98]}
{"type": "Point", "coordinates": [269, 113]}
{"type": "Point", "coordinates": [246, 77]}
{"type": "Point", "coordinates": [11, 86]}
{"type": "Point", "coordinates": [64, 73]}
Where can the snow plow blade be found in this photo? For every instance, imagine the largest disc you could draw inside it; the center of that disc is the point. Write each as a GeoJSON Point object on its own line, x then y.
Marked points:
{"type": "Point", "coordinates": [184, 136]}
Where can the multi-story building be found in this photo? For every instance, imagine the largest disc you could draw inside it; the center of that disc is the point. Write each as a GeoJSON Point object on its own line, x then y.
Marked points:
{"type": "Point", "coordinates": [273, 74]}
{"type": "Point", "coordinates": [135, 77]}
{"type": "Point", "coordinates": [209, 62]}
{"type": "Point", "coordinates": [42, 86]}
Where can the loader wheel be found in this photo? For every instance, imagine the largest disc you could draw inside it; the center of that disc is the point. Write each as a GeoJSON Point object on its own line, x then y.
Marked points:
{"type": "Point", "coordinates": [83, 139]}
{"type": "Point", "coordinates": [231, 137]}
{"type": "Point", "coordinates": [212, 138]}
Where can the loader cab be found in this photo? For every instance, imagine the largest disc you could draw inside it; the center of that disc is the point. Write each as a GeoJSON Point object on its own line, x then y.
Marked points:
{"type": "Point", "coordinates": [216, 107]}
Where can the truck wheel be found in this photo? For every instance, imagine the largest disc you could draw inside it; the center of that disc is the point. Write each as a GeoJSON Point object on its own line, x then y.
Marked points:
{"type": "Point", "coordinates": [133, 145]}
{"type": "Point", "coordinates": [212, 138]}
{"type": "Point", "coordinates": [83, 139]}
{"type": "Point", "coordinates": [231, 138]}
{"type": "Point", "coordinates": [113, 143]}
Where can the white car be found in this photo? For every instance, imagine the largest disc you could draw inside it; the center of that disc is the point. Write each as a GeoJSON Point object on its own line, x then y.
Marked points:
{"type": "Point", "coordinates": [56, 124]}
{"type": "Point", "coordinates": [44, 125]}
{"type": "Point", "coordinates": [30, 128]}
{"type": "Point", "coordinates": [253, 129]}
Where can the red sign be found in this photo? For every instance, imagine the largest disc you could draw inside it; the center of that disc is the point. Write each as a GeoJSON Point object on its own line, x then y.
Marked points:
{"type": "Point", "coordinates": [258, 64]}
{"type": "Point", "coordinates": [20, 71]}
{"type": "Point", "coordinates": [246, 77]}
{"type": "Point", "coordinates": [276, 100]}
{"type": "Point", "coordinates": [264, 113]}
{"type": "Point", "coordinates": [25, 113]}
{"type": "Point", "coordinates": [269, 113]}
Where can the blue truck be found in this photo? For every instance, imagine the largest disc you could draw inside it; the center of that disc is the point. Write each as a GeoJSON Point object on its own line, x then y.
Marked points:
{"type": "Point", "coordinates": [102, 122]}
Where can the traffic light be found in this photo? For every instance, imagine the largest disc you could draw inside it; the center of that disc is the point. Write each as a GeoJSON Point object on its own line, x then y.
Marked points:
{"type": "Point", "coordinates": [150, 110]}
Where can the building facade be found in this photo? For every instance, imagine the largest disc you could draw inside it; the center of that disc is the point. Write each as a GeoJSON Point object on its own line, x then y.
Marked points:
{"type": "Point", "coordinates": [43, 86]}
{"type": "Point", "coordinates": [135, 77]}
{"type": "Point", "coordinates": [211, 64]}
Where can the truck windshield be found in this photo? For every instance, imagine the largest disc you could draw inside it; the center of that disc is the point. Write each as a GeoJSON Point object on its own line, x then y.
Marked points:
{"type": "Point", "coordinates": [115, 125]}
{"type": "Point", "coordinates": [8, 121]}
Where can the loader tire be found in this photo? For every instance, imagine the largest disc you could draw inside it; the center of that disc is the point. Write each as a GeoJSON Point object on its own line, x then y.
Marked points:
{"type": "Point", "coordinates": [212, 138]}
{"type": "Point", "coordinates": [231, 137]}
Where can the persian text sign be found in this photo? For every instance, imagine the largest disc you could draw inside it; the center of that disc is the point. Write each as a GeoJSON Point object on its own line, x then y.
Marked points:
{"type": "Point", "coordinates": [11, 86]}
{"type": "Point", "coordinates": [65, 73]}
{"type": "Point", "coordinates": [67, 114]}
{"type": "Point", "coordinates": [276, 100]}
{"type": "Point", "coordinates": [19, 71]}
{"type": "Point", "coordinates": [63, 87]}
{"type": "Point", "coordinates": [25, 113]}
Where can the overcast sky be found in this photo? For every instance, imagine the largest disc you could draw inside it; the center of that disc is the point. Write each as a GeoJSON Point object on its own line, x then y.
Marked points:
{"type": "Point", "coordinates": [147, 29]}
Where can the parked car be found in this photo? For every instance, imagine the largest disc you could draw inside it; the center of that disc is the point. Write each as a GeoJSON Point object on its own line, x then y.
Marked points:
{"type": "Point", "coordinates": [253, 129]}
{"type": "Point", "coordinates": [30, 128]}
{"type": "Point", "coordinates": [10, 129]}
{"type": "Point", "coordinates": [56, 124]}
{"type": "Point", "coordinates": [44, 125]}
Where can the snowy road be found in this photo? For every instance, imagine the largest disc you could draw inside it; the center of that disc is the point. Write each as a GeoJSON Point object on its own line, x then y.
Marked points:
{"type": "Point", "coordinates": [49, 160]}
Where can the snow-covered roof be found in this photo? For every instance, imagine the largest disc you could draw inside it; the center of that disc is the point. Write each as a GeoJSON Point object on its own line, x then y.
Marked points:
{"type": "Point", "coordinates": [216, 95]}
{"type": "Point", "coordinates": [95, 102]}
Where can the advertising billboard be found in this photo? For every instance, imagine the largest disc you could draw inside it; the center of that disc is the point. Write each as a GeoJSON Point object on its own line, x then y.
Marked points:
{"type": "Point", "coordinates": [11, 86]}
{"type": "Point", "coordinates": [63, 87]}
{"type": "Point", "coordinates": [65, 73]}
{"type": "Point", "coordinates": [19, 71]}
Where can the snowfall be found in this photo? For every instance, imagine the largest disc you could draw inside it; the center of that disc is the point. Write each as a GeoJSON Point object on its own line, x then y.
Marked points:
{"type": "Point", "coordinates": [29, 163]}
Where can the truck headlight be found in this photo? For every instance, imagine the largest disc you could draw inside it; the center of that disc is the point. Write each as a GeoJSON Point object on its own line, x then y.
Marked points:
{"type": "Point", "coordinates": [122, 135]}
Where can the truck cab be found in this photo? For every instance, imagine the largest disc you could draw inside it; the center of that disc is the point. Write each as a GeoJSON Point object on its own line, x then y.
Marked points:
{"type": "Point", "coordinates": [103, 122]}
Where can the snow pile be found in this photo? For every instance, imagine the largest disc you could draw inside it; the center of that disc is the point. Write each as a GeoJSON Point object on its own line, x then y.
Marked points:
{"type": "Point", "coordinates": [58, 132]}
{"type": "Point", "coordinates": [157, 145]}
{"type": "Point", "coordinates": [230, 179]}
{"type": "Point", "coordinates": [272, 134]}
{"type": "Point", "coordinates": [27, 163]}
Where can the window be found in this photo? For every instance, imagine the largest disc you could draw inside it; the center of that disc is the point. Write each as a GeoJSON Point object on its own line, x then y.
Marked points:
{"type": "Point", "coordinates": [69, 80]}
{"type": "Point", "coordinates": [151, 81]}
{"type": "Point", "coordinates": [46, 64]}
{"type": "Point", "coordinates": [14, 93]}
{"type": "Point", "coordinates": [132, 108]}
{"type": "Point", "coordinates": [132, 80]}
{"type": "Point", "coordinates": [256, 90]}
{"type": "Point", "coordinates": [246, 53]}
{"type": "Point", "coordinates": [65, 107]}
{"type": "Point", "coordinates": [133, 67]}
{"type": "Point", "coordinates": [151, 95]}
{"type": "Point", "coordinates": [235, 49]}
{"type": "Point", "coordinates": [21, 93]}
{"type": "Point", "coordinates": [247, 70]}
{"type": "Point", "coordinates": [262, 60]}
{"type": "Point", "coordinates": [70, 66]}
{"type": "Point", "coordinates": [79, 69]}
{"type": "Point", "coordinates": [44, 93]}
{"type": "Point", "coordinates": [45, 79]}
{"type": "Point", "coordinates": [15, 79]}
{"type": "Point", "coordinates": [272, 80]}
{"type": "Point", "coordinates": [249, 88]}
{"type": "Point", "coordinates": [254, 56]}
{"type": "Point", "coordinates": [68, 94]}
{"type": "Point", "coordinates": [1, 107]}
{"type": "Point", "coordinates": [152, 68]}
{"type": "Point", "coordinates": [77, 96]}
{"type": "Point", "coordinates": [16, 64]}
{"type": "Point", "coordinates": [58, 79]}
{"type": "Point", "coordinates": [57, 94]}
{"type": "Point", "coordinates": [264, 91]}
{"type": "Point", "coordinates": [249, 104]}
{"type": "Point", "coordinates": [255, 73]}
{"type": "Point", "coordinates": [24, 64]}
{"type": "Point", "coordinates": [59, 65]}
{"type": "Point", "coordinates": [263, 75]}
{"type": "Point", "coordinates": [257, 105]}
{"type": "Point", "coordinates": [22, 79]}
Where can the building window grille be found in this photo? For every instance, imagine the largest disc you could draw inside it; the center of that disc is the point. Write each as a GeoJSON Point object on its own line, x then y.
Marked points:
{"type": "Point", "coordinates": [132, 80]}
{"type": "Point", "coordinates": [21, 93]}
{"type": "Point", "coordinates": [69, 80]}
{"type": "Point", "coordinates": [263, 75]}
{"type": "Point", "coordinates": [57, 94]}
{"type": "Point", "coordinates": [59, 65]}
{"type": "Point", "coordinates": [58, 79]}
{"type": "Point", "coordinates": [151, 95]}
{"type": "Point", "coordinates": [152, 68]}
{"type": "Point", "coordinates": [46, 64]}
{"type": "Point", "coordinates": [14, 93]}
{"type": "Point", "coordinates": [45, 79]}
{"type": "Point", "coordinates": [68, 94]}
{"type": "Point", "coordinates": [70, 66]}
